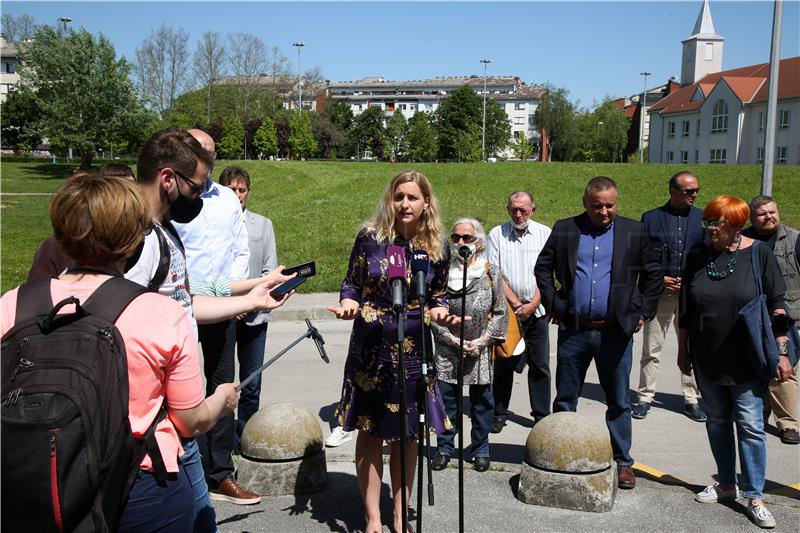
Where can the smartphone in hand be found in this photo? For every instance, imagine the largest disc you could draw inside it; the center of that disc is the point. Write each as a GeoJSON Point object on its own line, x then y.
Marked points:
{"type": "Point", "coordinates": [281, 290]}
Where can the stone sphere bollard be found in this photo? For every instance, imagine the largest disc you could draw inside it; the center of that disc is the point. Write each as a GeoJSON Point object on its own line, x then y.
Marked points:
{"type": "Point", "coordinates": [282, 452]}
{"type": "Point", "coordinates": [569, 464]}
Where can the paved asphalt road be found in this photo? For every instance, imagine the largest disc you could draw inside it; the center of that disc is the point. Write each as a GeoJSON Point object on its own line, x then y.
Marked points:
{"type": "Point", "coordinates": [672, 454]}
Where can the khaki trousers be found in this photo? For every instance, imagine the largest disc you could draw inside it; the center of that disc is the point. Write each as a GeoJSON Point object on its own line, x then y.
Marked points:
{"type": "Point", "coordinates": [782, 400]}
{"type": "Point", "coordinates": [654, 333]}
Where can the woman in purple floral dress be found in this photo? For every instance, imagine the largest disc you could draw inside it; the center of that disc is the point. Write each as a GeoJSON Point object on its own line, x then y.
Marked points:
{"type": "Point", "coordinates": [408, 214]}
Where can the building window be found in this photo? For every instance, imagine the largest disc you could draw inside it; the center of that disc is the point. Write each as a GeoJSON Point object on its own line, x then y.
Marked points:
{"type": "Point", "coordinates": [402, 107]}
{"type": "Point", "coordinates": [698, 127]}
{"type": "Point", "coordinates": [783, 118]}
{"type": "Point", "coordinates": [760, 154]}
{"type": "Point", "coordinates": [11, 68]}
{"type": "Point", "coordinates": [519, 106]}
{"type": "Point", "coordinates": [709, 52]}
{"type": "Point", "coordinates": [413, 107]}
{"type": "Point", "coordinates": [762, 120]}
{"type": "Point", "coordinates": [697, 155]}
{"type": "Point", "coordinates": [519, 120]}
{"type": "Point", "coordinates": [684, 156]}
{"type": "Point", "coordinates": [685, 128]}
{"type": "Point", "coordinates": [781, 153]}
{"type": "Point", "coordinates": [517, 135]}
{"type": "Point", "coordinates": [357, 107]}
{"type": "Point", "coordinates": [717, 155]}
{"type": "Point", "coordinates": [532, 122]}
{"type": "Point", "coordinates": [719, 120]}
{"type": "Point", "coordinates": [670, 157]}
{"type": "Point", "coordinates": [671, 129]}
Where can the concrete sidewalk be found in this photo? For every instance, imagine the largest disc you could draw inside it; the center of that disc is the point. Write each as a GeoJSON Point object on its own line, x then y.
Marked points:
{"type": "Point", "coordinates": [672, 453]}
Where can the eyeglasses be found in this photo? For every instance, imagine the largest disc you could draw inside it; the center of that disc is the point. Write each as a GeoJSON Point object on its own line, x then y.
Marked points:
{"type": "Point", "coordinates": [688, 192]}
{"type": "Point", "coordinates": [715, 224]}
{"type": "Point", "coordinates": [240, 190]}
{"type": "Point", "coordinates": [469, 239]}
{"type": "Point", "coordinates": [194, 187]}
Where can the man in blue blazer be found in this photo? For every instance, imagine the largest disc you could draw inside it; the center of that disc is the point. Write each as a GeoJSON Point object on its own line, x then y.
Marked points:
{"type": "Point", "coordinates": [674, 228]}
{"type": "Point", "coordinates": [609, 281]}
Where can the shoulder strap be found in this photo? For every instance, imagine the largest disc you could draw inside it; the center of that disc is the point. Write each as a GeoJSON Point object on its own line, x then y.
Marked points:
{"type": "Point", "coordinates": [112, 297]}
{"type": "Point", "coordinates": [33, 299]}
{"type": "Point", "coordinates": [757, 266]}
{"type": "Point", "coordinates": [163, 262]}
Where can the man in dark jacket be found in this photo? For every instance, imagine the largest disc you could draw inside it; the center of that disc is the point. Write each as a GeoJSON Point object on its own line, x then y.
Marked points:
{"type": "Point", "coordinates": [673, 229]}
{"type": "Point", "coordinates": [609, 283]}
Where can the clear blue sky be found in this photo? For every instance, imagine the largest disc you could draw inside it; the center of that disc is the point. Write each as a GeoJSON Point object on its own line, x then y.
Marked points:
{"type": "Point", "coordinates": [593, 49]}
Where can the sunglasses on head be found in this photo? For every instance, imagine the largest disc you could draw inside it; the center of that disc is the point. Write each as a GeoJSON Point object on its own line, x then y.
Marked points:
{"type": "Point", "coordinates": [469, 239]}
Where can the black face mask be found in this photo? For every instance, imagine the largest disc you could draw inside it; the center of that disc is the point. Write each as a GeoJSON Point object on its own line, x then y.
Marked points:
{"type": "Point", "coordinates": [184, 209]}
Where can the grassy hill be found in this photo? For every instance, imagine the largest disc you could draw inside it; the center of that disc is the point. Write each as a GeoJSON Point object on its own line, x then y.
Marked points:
{"type": "Point", "coordinates": [316, 207]}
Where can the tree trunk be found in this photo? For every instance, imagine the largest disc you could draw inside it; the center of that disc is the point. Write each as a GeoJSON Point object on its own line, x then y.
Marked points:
{"type": "Point", "coordinates": [86, 159]}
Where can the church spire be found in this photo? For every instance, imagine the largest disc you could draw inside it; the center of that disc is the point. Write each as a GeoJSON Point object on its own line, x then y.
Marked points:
{"type": "Point", "coordinates": [702, 51]}
{"type": "Point", "coordinates": [704, 24]}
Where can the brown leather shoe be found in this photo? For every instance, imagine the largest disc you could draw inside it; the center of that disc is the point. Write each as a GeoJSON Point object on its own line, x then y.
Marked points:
{"type": "Point", "coordinates": [625, 477]}
{"type": "Point", "coordinates": [230, 491]}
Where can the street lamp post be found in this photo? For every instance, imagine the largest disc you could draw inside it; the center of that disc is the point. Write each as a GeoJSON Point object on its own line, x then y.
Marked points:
{"type": "Point", "coordinates": [642, 105]}
{"type": "Point", "coordinates": [64, 21]}
{"type": "Point", "coordinates": [299, 45]}
{"type": "Point", "coordinates": [483, 130]}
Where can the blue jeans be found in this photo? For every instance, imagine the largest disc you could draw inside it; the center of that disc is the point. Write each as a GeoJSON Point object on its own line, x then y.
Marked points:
{"type": "Point", "coordinates": [727, 403]}
{"type": "Point", "coordinates": [251, 342]}
{"type": "Point", "coordinates": [611, 350]}
{"type": "Point", "coordinates": [481, 411]}
{"type": "Point", "coordinates": [205, 518]}
{"type": "Point", "coordinates": [158, 507]}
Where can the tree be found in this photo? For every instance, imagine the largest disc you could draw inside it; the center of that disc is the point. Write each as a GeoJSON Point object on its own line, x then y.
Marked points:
{"type": "Point", "coordinates": [462, 109]}
{"type": "Point", "coordinates": [612, 131]}
{"type": "Point", "coordinates": [422, 145]}
{"type": "Point", "coordinates": [555, 115]}
{"type": "Point", "coordinates": [248, 59]}
{"type": "Point", "coordinates": [232, 142]}
{"type": "Point", "coordinates": [339, 113]}
{"type": "Point", "coordinates": [468, 144]}
{"type": "Point", "coordinates": [522, 148]}
{"type": "Point", "coordinates": [330, 139]}
{"type": "Point", "coordinates": [79, 86]}
{"type": "Point", "coordinates": [209, 64]}
{"type": "Point", "coordinates": [20, 125]}
{"type": "Point", "coordinates": [367, 133]}
{"type": "Point", "coordinates": [17, 29]}
{"type": "Point", "coordinates": [265, 140]}
{"type": "Point", "coordinates": [396, 137]}
{"type": "Point", "coordinates": [278, 68]}
{"type": "Point", "coordinates": [301, 140]}
{"type": "Point", "coordinates": [162, 67]}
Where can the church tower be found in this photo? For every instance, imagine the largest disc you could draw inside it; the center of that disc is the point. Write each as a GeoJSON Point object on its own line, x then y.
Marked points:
{"type": "Point", "coordinates": [702, 51]}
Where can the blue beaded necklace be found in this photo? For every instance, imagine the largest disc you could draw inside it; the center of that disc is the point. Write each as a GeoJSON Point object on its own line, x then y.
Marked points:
{"type": "Point", "coordinates": [711, 268]}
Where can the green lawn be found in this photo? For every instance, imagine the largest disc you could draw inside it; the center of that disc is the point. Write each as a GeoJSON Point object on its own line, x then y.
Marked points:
{"type": "Point", "coordinates": [316, 207]}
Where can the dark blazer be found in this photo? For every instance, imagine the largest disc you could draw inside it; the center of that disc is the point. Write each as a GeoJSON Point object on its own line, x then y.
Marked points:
{"type": "Point", "coordinates": [637, 278]}
{"type": "Point", "coordinates": [656, 223]}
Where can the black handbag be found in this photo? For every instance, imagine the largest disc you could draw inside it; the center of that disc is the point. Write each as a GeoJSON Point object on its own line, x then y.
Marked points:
{"type": "Point", "coordinates": [757, 319]}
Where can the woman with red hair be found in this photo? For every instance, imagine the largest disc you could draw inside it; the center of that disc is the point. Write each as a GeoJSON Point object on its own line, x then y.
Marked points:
{"type": "Point", "coordinates": [718, 282]}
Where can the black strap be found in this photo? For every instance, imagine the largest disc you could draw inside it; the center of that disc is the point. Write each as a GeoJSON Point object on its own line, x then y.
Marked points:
{"type": "Point", "coordinates": [33, 299]}
{"type": "Point", "coordinates": [151, 445]}
{"type": "Point", "coordinates": [757, 267]}
{"type": "Point", "coordinates": [163, 262]}
{"type": "Point", "coordinates": [112, 297]}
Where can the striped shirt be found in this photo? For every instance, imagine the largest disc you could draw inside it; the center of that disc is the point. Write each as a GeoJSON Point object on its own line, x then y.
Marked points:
{"type": "Point", "coordinates": [515, 255]}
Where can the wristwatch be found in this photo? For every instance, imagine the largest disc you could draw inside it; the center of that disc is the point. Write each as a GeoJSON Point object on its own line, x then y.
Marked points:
{"type": "Point", "coordinates": [783, 348]}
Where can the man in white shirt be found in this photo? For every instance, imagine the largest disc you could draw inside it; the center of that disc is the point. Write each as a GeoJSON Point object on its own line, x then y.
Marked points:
{"type": "Point", "coordinates": [514, 247]}
{"type": "Point", "coordinates": [216, 249]}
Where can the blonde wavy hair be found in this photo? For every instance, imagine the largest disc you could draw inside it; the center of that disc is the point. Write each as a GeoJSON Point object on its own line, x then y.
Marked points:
{"type": "Point", "coordinates": [430, 233]}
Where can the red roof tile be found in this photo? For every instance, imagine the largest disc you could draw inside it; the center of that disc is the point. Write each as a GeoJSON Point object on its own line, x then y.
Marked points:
{"type": "Point", "coordinates": [748, 83]}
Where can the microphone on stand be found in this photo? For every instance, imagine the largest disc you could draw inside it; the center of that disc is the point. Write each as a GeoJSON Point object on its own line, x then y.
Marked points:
{"type": "Point", "coordinates": [465, 252]}
{"type": "Point", "coordinates": [419, 269]}
{"type": "Point", "coordinates": [396, 256]}
{"type": "Point", "coordinates": [318, 340]}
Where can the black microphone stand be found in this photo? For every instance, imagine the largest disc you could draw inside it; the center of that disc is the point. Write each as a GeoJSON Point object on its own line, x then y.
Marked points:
{"type": "Point", "coordinates": [423, 447]}
{"type": "Point", "coordinates": [465, 253]}
{"type": "Point", "coordinates": [401, 370]}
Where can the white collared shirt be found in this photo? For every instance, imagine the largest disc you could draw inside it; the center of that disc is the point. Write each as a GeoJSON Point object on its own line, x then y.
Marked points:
{"type": "Point", "coordinates": [216, 240]}
{"type": "Point", "coordinates": [515, 255]}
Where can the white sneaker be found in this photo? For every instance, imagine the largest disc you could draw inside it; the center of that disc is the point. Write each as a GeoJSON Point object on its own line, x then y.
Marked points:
{"type": "Point", "coordinates": [714, 494]}
{"type": "Point", "coordinates": [338, 437]}
{"type": "Point", "coordinates": [760, 515]}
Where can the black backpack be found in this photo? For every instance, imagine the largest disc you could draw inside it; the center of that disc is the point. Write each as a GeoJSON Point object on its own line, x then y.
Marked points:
{"type": "Point", "coordinates": [68, 455]}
